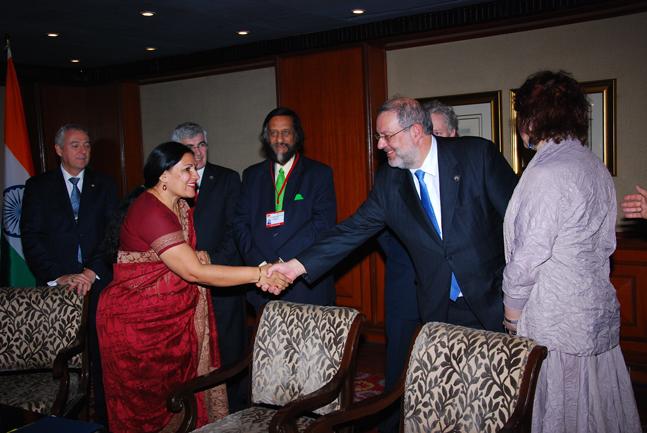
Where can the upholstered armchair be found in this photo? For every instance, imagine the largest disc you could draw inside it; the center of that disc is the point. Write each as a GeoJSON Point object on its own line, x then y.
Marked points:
{"type": "Point", "coordinates": [458, 380]}
{"type": "Point", "coordinates": [43, 362]}
{"type": "Point", "coordinates": [302, 361]}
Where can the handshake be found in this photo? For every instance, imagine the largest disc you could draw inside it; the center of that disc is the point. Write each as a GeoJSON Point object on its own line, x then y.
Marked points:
{"type": "Point", "coordinates": [275, 277]}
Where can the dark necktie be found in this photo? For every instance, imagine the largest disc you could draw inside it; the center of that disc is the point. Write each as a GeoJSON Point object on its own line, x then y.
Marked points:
{"type": "Point", "coordinates": [75, 199]}
{"type": "Point", "coordinates": [75, 196]}
{"type": "Point", "coordinates": [429, 210]}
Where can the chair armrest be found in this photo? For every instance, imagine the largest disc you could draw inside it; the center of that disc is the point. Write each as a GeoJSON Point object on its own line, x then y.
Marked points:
{"type": "Point", "coordinates": [355, 412]}
{"type": "Point", "coordinates": [283, 419]}
{"type": "Point", "coordinates": [183, 395]}
{"type": "Point", "coordinates": [60, 369]}
{"type": "Point", "coordinates": [63, 357]}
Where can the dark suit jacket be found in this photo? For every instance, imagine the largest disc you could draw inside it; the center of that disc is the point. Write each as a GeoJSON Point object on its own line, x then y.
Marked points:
{"type": "Point", "coordinates": [214, 212]}
{"type": "Point", "coordinates": [213, 216]}
{"type": "Point", "coordinates": [475, 186]}
{"type": "Point", "coordinates": [50, 236]}
{"type": "Point", "coordinates": [310, 208]}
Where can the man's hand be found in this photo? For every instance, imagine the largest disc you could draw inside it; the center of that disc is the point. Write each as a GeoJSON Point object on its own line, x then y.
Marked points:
{"type": "Point", "coordinates": [292, 269]}
{"type": "Point", "coordinates": [203, 257]}
{"type": "Point", "coordinates": [635, 205]}
{"type": "Point", "coordinates": [81, 283]}
{"type": "Point", "coordinates": [274, 283]}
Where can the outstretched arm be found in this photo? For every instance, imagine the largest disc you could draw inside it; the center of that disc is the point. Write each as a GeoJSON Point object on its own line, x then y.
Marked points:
{"type": "Point", "coordinates": [184, 261]}
{"type": "Point", "coordinates": [292, 269]}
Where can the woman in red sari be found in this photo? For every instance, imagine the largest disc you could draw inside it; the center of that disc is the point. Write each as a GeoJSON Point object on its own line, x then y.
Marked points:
{"type": "Point", "coordinates": [155, 322]}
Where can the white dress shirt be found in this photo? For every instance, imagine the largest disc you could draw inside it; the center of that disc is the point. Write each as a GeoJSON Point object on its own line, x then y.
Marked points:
{"type": "Point", "coordinates": [68, 184]}
{"type": "Point", "coordinates": [430, 167]}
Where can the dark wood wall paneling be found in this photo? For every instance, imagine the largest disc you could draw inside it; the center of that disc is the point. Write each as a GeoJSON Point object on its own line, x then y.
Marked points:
{"type": "Point", "coordinates": [629, 277]}
{"type": "Point", "coordinates": [111, 112]}
{"type": "Point", "coordinates": [335, 94]}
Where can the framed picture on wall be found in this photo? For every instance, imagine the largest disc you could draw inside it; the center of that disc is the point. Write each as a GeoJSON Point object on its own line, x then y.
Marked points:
{"type": "Point", "coordinates": [479, 114]}
{"type": "Point", "coordinates": [601, 140]}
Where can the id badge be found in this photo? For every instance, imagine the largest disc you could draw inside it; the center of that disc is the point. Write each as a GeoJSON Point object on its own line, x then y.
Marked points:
{"type": "Point", "coordinates": [274, 219]}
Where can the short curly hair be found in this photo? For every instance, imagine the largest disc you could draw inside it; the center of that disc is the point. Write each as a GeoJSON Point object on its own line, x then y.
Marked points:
{"type": "Point", "coordinates": [552, 106]}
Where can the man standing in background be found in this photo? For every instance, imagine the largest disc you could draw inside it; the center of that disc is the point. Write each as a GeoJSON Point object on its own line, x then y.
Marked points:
{"type": "Point", "coordinates": [286, 203]}
{"type": "Point", "coordinates": [213, 212]}
{"type": "Point", "coordinates": [443, 118]}
{"type": "Point", "coordinates": [64, 216]}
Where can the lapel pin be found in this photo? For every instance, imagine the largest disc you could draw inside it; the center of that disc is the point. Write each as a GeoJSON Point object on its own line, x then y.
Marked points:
{"type": "Point", "coordinates": [92, 185]}
{"type": "Point", "coordinates": [457, 178]}
{"type": "Point", "coordinates": [210, 177]}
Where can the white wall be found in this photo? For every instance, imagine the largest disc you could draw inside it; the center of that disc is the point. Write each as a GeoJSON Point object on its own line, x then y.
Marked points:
{"type": "Point", "coordinates": [231, 107]}
{"type": "Point", "coordinates": [594, 50]}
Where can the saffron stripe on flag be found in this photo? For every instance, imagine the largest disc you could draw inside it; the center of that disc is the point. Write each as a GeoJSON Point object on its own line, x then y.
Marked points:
{"type": "Point", "coordinates": [18, 167]}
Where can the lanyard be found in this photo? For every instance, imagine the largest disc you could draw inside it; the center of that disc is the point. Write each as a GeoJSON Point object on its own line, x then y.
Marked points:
{"type": "Point", "coordinates": [285, 182]}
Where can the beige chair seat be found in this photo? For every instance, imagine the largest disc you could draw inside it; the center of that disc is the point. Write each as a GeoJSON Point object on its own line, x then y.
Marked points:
{"type": "Point", "coordinates": [34, 392]}
{"type": "Point", "coordinates": [256, 419]}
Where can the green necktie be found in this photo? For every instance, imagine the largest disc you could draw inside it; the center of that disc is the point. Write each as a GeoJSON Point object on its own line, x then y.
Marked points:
{"type": "Point", "coordinates": [279, 192]}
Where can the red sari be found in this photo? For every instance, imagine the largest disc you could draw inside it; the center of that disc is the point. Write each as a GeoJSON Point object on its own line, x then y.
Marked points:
{"type": "Point", "coordinates": [155, 329]}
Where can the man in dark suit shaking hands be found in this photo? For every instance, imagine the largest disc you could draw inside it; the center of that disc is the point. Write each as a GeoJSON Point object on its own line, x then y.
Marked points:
{"type": "Point", "coordinates": [445, 199]}
{"type": "Point", "coordinates": [64, 216]}
{"type": "Point", "coordinates": [213, 214]}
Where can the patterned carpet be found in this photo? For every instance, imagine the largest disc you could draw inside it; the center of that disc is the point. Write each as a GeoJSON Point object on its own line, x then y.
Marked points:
{"type": "Point", "coordinates": [367, 385]}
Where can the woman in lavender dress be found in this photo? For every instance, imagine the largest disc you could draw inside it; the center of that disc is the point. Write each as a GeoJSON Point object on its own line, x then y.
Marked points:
{"type": "Point", "coordinates": [559, 234]}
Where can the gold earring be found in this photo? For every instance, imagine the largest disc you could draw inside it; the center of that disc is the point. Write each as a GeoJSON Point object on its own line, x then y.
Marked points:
{"type": "Point", "coordinates": [164, 187]}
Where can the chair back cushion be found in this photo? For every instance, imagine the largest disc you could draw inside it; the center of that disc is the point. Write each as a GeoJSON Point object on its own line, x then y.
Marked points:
{"type": "Point", "coordinates": [35, 324]}
{"type": "Point", "coordinates": [298, 348]}
{"type": "Point", "coordinates": [463, 380]}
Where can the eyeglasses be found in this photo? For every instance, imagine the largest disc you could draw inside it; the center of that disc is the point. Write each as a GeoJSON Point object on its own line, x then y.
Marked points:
{"type": "Point", "coordinates": [195, 147]}
{"type": "Point", "coordinates": [388, 137]}
{"type": "Point", "coordinates": [284, 133]}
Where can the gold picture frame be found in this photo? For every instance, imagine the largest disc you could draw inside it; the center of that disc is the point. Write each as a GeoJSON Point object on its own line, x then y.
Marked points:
{"type": "Point", "coordinates": [480, 114]}
{"type": "Point", "coordinates": [602, 126]}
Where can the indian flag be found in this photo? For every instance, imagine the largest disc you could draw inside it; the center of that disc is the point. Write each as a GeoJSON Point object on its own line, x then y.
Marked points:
{"type": "Point", "coordinates": [18, 167]}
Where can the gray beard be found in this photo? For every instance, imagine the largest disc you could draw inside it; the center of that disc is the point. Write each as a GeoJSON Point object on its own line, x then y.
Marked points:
{"type": "Point", "coordinates": [284, 157]}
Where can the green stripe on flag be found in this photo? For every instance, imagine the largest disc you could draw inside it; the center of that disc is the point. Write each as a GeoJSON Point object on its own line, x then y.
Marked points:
{"type": "Point", "coordinates": [15, 272]}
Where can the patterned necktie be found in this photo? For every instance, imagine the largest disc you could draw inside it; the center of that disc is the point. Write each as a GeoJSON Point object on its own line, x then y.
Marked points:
{"type": "Point", "coordinates": [75, 196]}
{"type": "Point", "coordinates": [75, 199]}
{"type": "Point", "coordinates": [429, 210]}
{"type": "Point", "coordinates": [279, 191]}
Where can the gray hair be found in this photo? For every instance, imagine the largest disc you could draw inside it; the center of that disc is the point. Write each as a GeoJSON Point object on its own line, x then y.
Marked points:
{"type": "Point", "coordinates": [188, 130]}
{"type": "Point", "coordinates": [408, 111]}
{"type": "Point", "coordinates": [59, 138]}
{"type": "Point", "coordinates": [435, 106]}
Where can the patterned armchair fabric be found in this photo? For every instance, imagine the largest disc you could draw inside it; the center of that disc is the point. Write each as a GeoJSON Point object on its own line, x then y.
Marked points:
{"type": "Point", "coordinates": [301, 363]}
{"type": "Point", "coordinates": [36, 324]}
{"type": "Point", "coordinates": [459, 380]}
{"type": "Point", "coordinates": [298, 349]}
{"type": "Point", "coordinates": [463, 380]}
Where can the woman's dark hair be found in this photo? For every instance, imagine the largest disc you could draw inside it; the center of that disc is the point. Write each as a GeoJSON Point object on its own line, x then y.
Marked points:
{"type": "Point", "coordinates": [552, 105]}
{"type": "Point", "coordinates": [299, 136]}
{"type": "Point", "coordinates": [162, 158]}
